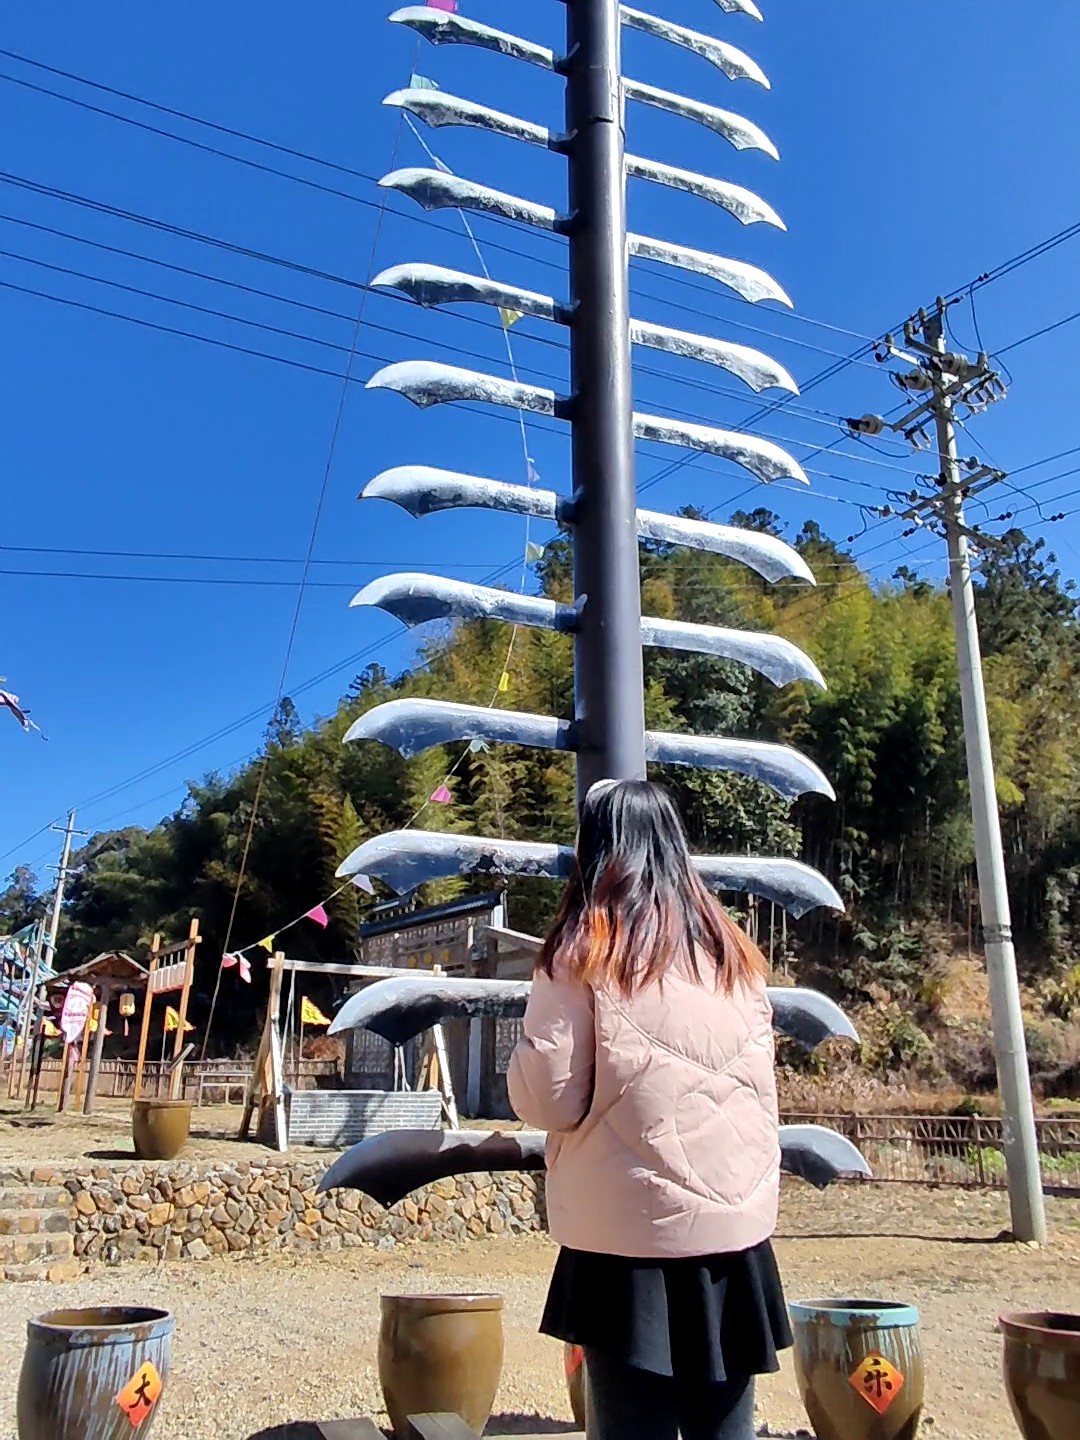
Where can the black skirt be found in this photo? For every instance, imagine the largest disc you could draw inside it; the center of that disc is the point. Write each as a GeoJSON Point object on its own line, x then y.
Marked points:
{"type": "Point", "coordinates": [709, 1319]}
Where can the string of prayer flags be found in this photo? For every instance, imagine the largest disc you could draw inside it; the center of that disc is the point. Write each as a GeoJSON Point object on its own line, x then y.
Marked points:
{"type": "Point", "coordinates": [478, 746]}
{"type": "Point", "coordinates": [310, 1014]}
{"type": "Point", "coordinates": [421, 82]}
{"type": "Point", "coordinates": [245, 969]}
{"type": "Point", "coordinates": [363, 882]}
{"type": "Point", "coordinates": [504, 682]}
{"type": "Point", "coordinates": [449, 6]}
{"type": "Point", "coordinates": [442, 796]}
{"type": "Point", "coordinates": [319, 915]}
{"type": "Point", "coordinates": [509, 317]}
{"type": "Point", "coordinates": [172, 1020]}
{"type": "Point", "coordinates": [8, 701]}
{"type": "Point", "coordinates": [531, 472]}
{"type": "Point", "coordinates": [533, 552]}
{"type": "Point", "coordinates": [267, 943]}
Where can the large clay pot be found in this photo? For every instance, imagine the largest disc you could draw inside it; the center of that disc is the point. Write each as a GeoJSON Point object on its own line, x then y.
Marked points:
{"type": "Point", "coordinates": [859, 1367]}
{"type": "Point", "coordinates": [93, 1374]}
{"type": "Point", "coordinates": [440, 1354]}
{"type": "Point", "coordinates": [1042, 1373]}
{"type": "Point", "coordinates": [574, 1362]}
{"type": "Point", "coordinates": [160, 1128]}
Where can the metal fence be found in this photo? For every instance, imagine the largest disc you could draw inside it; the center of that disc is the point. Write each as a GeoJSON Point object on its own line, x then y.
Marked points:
{"type": "Point", "coordinates": [953, 1150]}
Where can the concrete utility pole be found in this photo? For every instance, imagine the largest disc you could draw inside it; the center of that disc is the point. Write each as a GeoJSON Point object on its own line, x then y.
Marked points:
{"type": "Point", "coordinates": [45, 950]}
{"type": "Point", "coordinates": [948, 380]}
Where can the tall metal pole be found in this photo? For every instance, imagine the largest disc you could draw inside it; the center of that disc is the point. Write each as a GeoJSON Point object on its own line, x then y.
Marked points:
{"type": "Point", "coordinates": [609, 690]}
{"type": "Point", "coordinates": [1014, 1079]}
{"type": "Point", "coordinates": [45, 949]}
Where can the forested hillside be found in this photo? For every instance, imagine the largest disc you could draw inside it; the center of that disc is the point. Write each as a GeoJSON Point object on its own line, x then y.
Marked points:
{"type": "Point", "coordinates": [897, 842]}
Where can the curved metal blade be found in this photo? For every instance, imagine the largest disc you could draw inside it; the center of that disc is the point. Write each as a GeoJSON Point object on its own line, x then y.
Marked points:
{"type": "Point", "coordinates": [761, 457]}
{"type": "Point", "coordinates": [424, 490]}
{"type": "Point", "coordinates": [770, 655]}
{"type": "Point", "coordinates": [435, 191]}
{"type": "Point", "coordinates": [442, 28]}
{"type": "Point", "coordinates": [415, 599]}
{"type": "Point", "coordinates": [404, 859]}
{"type": "Point", "coordinates": [790, 883]}
{"type": "Point", "coordinates": [740, 7]}
{"type": "Point", "coordinates": [389, 1167]}
{"type": "Point", "coordinates": [778, 766]}
{"type": "Point", "coordinates": [743, 134]}
{"type": "Point", "coordinates": [754, 367]}
{"type": "Point", "coordinates": [734, 63]}
{"type": "Point", "coordinates": [430, 382]}
{"type": "Point", "coordinates": [808, 1016]}
{"type": "Point", "coordinates": [404, 1006]}
{"type": "Point", "coordinates": [436, 285]}
{"type": "Point", "coordinates": [746, 280]}
{"type": "Point", "coordinates": [413, 726]}
{"type": "Point", "coordinates": [820, 1155]}
{"type": "Point", "coordinates": [438, 107]}
{"type": "Point", "coordinates": [746, 207]}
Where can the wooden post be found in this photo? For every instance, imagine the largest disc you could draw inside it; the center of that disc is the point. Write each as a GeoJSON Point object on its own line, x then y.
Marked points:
{"type": "Point", "coordinates": [189, 975]}
{"type": "Point", "coordinates": [99, 1044]}
{"type": "Point", "coordinates": [275, 1058]}
{"type": "Point", "coordinates": [67, 1076]}
{"type": "Point", "coordinates": [144, 1033]}
{"type": "Point", "coordinates": [84, 1049]}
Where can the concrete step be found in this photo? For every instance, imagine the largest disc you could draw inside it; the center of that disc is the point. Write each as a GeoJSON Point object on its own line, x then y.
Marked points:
{"type": "Point", "coordinates": [57, 1272]}
{"type": "Point", "coordinates": [34, 1222]}
{"type": "Point", "coordinates": [26, 1249]}
{"type": "Point", "coordinates": [33, 1197]}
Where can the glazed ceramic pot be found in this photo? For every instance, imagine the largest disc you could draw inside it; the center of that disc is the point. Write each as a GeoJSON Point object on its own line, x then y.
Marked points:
{"type": "Point", "coordinates": [860, 1369]}
{"type": "Point", "coordinates": [1042, 1373]}
{"type": "Point", "coordinates": [93, 1374]}
{"type": "Point", "coordinates": [440, 1354]}
{"type": "Point", "coordinates": [574, 1362]}
{"type": "Point", "coordinates": [160, 1128]}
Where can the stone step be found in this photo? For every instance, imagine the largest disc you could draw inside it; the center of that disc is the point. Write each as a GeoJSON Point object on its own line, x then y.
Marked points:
{"type": "Point", "coordinates": [56, 1271]}
{"type": "Point", "coordinates": [25, 1249]}
{"type": "Point", "coordinates": [33, 1197]}
{"type": "Point", "coordinates": [34, 1222]}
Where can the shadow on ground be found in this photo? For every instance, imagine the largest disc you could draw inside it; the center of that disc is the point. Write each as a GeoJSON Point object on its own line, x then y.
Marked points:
{"type": "Point", "coordinates": [498, 1425]}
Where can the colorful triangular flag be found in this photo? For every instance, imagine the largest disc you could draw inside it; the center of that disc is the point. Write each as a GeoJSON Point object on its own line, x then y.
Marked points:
{"type": "Point", "coordinates": [229, 961]}
{"type": "Point", "coordinates": [172, 1020]}
{"type": "Point", "coordinates": [450, 6]}
{"type": "Point", "coordinates": [504, 682]}
{"type": "Point", "coordinates": [421, 82]}
{"type": "Point", "coordinates": [267, 943]}
{"type": "Point", "coordinates": [363, 882]}
{"type": "Point", "coordinates": [245, 969]}
{"type": "Point", "coordinates": [310, 1014]}
{"type": "Point", "coordinates": [318, 914]}
{"type": "Point", "coordinates": [442, 796]}
{"type": "Point", "coordinates": [478, 745]}
{"type": "Point", "coordinates": [509, 317]}
{"type": "Point", "coordinates": [531, 472]}
{"type": "Point", "coordinates": [533, 552]}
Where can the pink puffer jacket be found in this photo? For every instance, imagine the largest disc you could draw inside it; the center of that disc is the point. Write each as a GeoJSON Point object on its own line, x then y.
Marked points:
{"type": "Point", "coordinates": [661, 1114]}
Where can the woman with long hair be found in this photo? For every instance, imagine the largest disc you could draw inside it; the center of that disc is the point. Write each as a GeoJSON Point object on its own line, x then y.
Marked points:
{"type": "Point", "coordinates": [647, 1055]}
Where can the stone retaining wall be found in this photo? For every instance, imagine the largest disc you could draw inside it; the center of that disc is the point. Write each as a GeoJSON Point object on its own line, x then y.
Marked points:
{"type": "Point", "coordinates": [195, 1211]}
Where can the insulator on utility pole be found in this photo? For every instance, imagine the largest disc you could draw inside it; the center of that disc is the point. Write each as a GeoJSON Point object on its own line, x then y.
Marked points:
{"type": "Point", "coordinates": [866, 425]}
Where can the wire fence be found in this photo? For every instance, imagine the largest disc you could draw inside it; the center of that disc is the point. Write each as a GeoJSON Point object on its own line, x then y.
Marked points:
{"type": "Point", "coordinates": [953, 1150]}
{"type": "Point", "coordinates": [205, 1082]}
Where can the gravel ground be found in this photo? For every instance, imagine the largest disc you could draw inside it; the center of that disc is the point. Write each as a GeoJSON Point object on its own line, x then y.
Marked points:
{"type": "Point", "coordinates": [265, 1341]}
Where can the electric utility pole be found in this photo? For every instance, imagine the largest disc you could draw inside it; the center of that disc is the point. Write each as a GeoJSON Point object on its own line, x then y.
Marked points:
{"type": "Point", "coordinates": [948, 381]}
{"type": "Point", "coordinates": [45, 949]}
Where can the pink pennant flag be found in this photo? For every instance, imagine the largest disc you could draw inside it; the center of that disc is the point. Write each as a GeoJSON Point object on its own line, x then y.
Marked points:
{"type": "Point", "coordinates": [363, 882]}
{"type": "Point", "coordinates": [228, 961]}
{"type": "Point", "coordinates": [450, 6]}
{"type": "Point", "coordinates": [319, 915]}
{"type": "Point", "coordinates": [245, 969]}
{"type": "Point", "coordinates": [441, 796]}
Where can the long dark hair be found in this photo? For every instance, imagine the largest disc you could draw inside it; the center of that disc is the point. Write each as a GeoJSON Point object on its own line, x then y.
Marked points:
{"type": "Point", "coordinates": [634, 901]}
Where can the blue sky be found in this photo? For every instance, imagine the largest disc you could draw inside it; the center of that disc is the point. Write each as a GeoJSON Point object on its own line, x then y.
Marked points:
{"type": "Point", "coordinates": [120, 437]}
